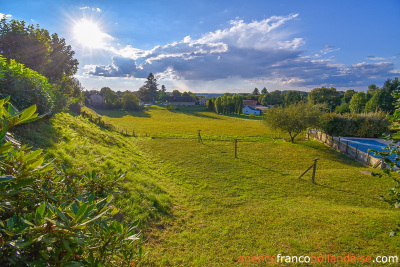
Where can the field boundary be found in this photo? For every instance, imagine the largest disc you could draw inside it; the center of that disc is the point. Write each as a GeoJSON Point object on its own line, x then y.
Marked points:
{"type": "Point", "coordinates": [346, 149]}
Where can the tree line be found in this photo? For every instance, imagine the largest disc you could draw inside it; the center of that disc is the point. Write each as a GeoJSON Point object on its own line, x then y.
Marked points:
{"type": "Point", "coordinates": [375, 99]}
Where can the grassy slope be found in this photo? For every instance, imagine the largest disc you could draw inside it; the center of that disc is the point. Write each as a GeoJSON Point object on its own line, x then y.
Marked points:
{"type": "Point", "coordinates": [74, 141]}
{"type": "Point", "coordinates": [255, 205]}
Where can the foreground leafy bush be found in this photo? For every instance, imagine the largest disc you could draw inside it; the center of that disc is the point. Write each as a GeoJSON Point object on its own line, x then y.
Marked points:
{"type": "Point", "coordinates": [26, 86]}
{"type": "Point", "coordinates": [52, 217]}
{"type": "Point", "coordinates": [359, 125]}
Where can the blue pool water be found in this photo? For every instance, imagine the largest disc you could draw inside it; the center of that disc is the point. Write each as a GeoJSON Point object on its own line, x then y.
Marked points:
{"type": "Point", "coordinates": [364, 144]}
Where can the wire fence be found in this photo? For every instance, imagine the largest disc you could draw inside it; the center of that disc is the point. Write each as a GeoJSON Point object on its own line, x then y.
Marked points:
{"type": "Point", "coordinates": [346, 149]}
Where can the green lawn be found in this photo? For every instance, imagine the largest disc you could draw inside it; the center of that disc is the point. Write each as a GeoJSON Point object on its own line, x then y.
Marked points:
{"type": "Point", "coordinates": [254, 205]}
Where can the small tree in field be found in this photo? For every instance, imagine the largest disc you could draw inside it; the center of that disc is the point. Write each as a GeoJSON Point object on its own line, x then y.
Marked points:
{"type": "Point", "coordinates": [294, 119]}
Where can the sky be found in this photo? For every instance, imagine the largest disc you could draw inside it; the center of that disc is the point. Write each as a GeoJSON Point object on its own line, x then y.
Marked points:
{"type": "Point", "coordinates": [223, 46]}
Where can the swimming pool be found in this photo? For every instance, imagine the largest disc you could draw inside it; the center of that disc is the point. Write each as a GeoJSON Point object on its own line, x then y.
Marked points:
{"type": "Point", "coordinates": [365, 143]}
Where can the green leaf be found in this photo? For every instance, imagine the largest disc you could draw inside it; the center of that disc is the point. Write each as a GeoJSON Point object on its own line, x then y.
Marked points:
{"type": "Point", "coordinates": [40, 213]}
{"type": "Point", "coordinates": [65, 244]}
{"type": "Point", "coordinates": [10, 224]}
{"type": "Point", "coordinates": [62, 216]}
{"type": "Point", "coordinates": [27, 113]}
{"type": "Point", "coordinates": [32, 155]}
{"type": "Point", "coordinates": [81, 211]}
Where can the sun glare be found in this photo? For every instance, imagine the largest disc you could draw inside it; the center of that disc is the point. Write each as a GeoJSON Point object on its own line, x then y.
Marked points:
{"type": "Point", "coordinates": [88, 34]}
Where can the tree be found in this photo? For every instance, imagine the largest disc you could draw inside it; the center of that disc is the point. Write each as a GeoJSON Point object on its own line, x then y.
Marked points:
{"type": "Point", "coordinates": [264, 91]}
{"type": "Point", "coordinates": [348, 95]}
{"type": "Point", "coordinates": [130, 101]}
{"type": "Point", "coordinates": [66, 91]}
{"type": "Point", "coordinates": [210, 105]}
{"type": "Point", "coordinates": [111, 99]}
{"type": "Point", "coordinates": [256, 91]}
{"type": "Point", "coordinates": [374, 104]}
{"type": "Point", "coordinates": [149, 91]}
{"type": "Point", "coordinates": [218, 105]}
{"type": "Point", "coordinates": [387, 99]}
{"type": "Point", "coordinates": [357, 102]}
{"type": "Point", "coordinates": [33, 47]}
{"type": "Point", "coordinates": [186, 94]}
{"type": "Point", "coordinates": [325, 95]}
{"type": "Point", "coordinates": [293, 119]}
{"type": "Point", "coordinates": [176, 93]}
{"type": "Point", "coordinates": [292, 97]}
{"type": "Point", "coordinates": [342, 108]}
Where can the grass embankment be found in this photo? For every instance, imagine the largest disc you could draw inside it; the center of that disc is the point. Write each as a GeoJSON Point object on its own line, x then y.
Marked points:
{"type": "Point", "coordinates": [74, 141]}
{"type": "Point", "coordinates": [255, 205]}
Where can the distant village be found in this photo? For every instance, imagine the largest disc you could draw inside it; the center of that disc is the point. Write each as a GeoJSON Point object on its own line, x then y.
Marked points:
{"type": "Point", "coordinates": [97, 99]}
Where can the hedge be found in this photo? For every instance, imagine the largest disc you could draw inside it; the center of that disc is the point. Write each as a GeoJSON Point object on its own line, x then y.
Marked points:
{"type": "Point", "coordinates": [358, 125]}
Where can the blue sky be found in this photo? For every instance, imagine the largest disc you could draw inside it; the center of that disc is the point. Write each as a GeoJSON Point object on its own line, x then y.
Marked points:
{"type": "Point", "coordinates": [225, 46]}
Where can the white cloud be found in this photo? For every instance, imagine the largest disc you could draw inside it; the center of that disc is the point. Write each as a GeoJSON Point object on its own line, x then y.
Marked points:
{"type": "Point", "coordinates": [375, 58]}
{"type": "Point", "coordinates": [96, 9]}
{"type": "Point", "coordinates": [328, 49]}
{"type": "Point", "coordinates": [6, 15]}
{"type": "Point", "coordinates": [252, 51]}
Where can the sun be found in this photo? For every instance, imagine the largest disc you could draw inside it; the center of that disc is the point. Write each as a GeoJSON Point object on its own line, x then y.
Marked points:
{"type": "Point", "coordinates": [88, 34]}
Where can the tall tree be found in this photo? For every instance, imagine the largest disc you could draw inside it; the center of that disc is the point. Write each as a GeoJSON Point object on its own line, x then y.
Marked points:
{"type": "Point", "coordinates": [387, 100]}
{"type": "Point", "coordinates": [293, 97]}
{"type": "Point", "coordinates": [210, 105]}
{"type": "Point", "coordinates": [33, 47]}
{"type": "Point", "coordinates": [348, 95]}
{"type": "Point", "coordinates": [357, 102]}
{"type": "Point", "coordinates": [264, 91]}
{"type": "Point", "coordinates": [374, 104]}
{"type": "Point", "coordinates": [149, 91]}
{"type": "Point", "coordinates": [325, 95]}
{"type": "Point", "coordinates": [256, 91]}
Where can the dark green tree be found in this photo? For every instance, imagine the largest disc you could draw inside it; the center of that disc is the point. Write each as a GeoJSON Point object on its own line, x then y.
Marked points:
{"type": "Point", "coordinates": [176, 93]}
{"type": "Point", "coordinates": [210, 105]}
{"type": "Point", "coordinates": [130, 101]}
{"type": "Point", "coordinates": [149, 91]}
{"type": "Point", "coordinates": [256, 91]}
{"type": "Point", "coordinates": [322, 95]}
{"type": "Point", "coordinates": [111, 99]}
{"type": "Point", "coordinates": [293, 97]}
{"type": "Point", "coordinates": [348, 95]}
{"type": "Point", "coordinates": [33, 47]}
{"type": "Point", "coordinates": [264, 91]}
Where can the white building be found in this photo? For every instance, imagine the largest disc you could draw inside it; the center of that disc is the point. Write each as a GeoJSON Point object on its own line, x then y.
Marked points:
{"type": "Point", "coordinates": [249, 110]}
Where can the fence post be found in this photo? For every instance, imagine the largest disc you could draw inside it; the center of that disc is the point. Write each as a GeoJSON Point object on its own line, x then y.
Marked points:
{"type": "Point", "coordinates": [199, 137]}
{"type": "Point", "coordinates": [235, 148]}
{"type": "Point", "coordinates": [314, 169]}
{"type": "Point", "coordinates": [347, 147]}
{"type": "Point", "coordinates": [356, 151]}
{"type": "Point", "coordinates": [338, 145]}
{"type": "Point", "coordinates": [331, 141]}
{"type": "Point", "coordinates": [368, 158]}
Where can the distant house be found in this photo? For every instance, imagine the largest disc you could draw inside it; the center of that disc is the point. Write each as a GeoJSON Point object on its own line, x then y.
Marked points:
{"type": "Point", "coordinates": [180, 100]}
{"type": "Point", "coordinates": [251, 103]}
{"type": "Point", "coordinates": [262, 108]}
{"type": "Point", "coordinates": [96, 99]}
{"type": "Point", "coordinates": [249, 110]}
{"type": "Point", "coordinates": [203, 101]}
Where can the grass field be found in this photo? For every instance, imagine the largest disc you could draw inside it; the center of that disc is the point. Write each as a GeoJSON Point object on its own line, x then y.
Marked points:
{"type": "Point", "coordinates": [254, 205]}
